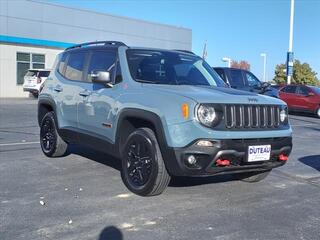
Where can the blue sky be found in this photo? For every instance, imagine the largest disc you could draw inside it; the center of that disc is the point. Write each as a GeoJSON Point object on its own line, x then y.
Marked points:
{"type": "Point", "coordinates": [239, 29]}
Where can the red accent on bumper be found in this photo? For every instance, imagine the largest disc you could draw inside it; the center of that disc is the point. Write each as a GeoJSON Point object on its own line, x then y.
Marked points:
{"type": "Point", "coordinates": [222, 162]}
{"type": "Point", "coordinates": [283, 157]}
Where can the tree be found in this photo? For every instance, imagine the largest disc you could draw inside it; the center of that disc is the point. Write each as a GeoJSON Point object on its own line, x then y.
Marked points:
{"type": "Point", "coordinates": [241, 64]}
{"type": "Point", "coordinates": [302, 74]}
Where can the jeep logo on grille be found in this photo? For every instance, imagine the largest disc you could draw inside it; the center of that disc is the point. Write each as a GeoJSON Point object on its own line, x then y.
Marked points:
{"type": "Point", "coordinates": [252, 100]}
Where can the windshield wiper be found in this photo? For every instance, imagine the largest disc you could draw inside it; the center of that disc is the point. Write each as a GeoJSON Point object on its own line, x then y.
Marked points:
{"type": "Point", "coordinates": [147, 81]}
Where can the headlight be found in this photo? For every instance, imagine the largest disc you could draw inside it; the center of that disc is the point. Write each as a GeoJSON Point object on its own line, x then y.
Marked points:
{"type": "Point", "coordinates": [284, 115]}
{"type": "Point", "coordinates": [207, 115]}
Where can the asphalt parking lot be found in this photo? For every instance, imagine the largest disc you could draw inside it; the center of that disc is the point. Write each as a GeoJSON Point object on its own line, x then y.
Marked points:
{"type": "Point", "coordinates": [83, 197]}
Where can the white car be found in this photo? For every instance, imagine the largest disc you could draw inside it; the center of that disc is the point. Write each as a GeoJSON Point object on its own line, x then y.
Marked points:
{"type": "Point", "coordinates": [34, 79]}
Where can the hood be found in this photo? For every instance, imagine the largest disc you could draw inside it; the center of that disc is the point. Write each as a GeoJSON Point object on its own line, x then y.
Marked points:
{"type": "Point", "coordinates": [210, 94]}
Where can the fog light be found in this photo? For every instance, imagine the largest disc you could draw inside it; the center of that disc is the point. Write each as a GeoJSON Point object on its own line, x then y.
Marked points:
{"type": "Point", "coordinates": [204, 143]}
{"type": "Point", "coordinates": [192, 160]}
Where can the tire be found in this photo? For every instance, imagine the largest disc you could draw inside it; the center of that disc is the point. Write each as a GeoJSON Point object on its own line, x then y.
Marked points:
{"type": "Point", "coordinates": [35, 94]}
{"type": "Point", "coordinates": [52, 144]}
{"type": "Point", "coordinates": [252, 176]}
{"type": "Point", "coordinates": [143, 169]}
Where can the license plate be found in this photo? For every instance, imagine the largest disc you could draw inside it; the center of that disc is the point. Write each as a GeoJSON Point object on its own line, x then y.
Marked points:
{"type": "Point", "coordinates": [259, 153]}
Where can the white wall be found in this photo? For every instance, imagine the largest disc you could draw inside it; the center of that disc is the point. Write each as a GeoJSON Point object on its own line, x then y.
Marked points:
{"type": "Point", "coordinates": [44, 20]}
{"type": "Point", "coordinates": [8, 67]}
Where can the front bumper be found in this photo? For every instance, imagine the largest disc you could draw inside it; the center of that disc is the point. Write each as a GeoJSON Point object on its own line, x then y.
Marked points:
{"type": "Point", "coordinates": [235, 150]}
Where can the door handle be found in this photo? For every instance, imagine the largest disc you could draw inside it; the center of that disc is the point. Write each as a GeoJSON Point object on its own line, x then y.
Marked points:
{"type": "Point", "coordinates": [58, 88]}
{"type": "Point", "coordinates": [85, 93]}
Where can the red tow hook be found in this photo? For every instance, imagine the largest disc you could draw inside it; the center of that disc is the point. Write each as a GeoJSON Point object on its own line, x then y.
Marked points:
{"type": "Point", "coordinates": [283, 157]}
{"type": "Point", "coordinates": [222, 162]}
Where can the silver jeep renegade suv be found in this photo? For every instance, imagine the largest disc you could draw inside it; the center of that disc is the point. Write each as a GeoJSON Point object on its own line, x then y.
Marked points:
{"type": "Point", "coordinates": [162, 113]}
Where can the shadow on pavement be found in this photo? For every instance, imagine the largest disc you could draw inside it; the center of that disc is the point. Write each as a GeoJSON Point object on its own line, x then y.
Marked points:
{"type": "Point", "coordinates": [302, 114]}
{"type": "Point", "coordinates": [110, 233]}
{"type": "Point", "coordinates": [312, 161]}
{"type": "Point", "coordinates": [110, 161]}
{"type": "Point", "coordinates": [194, 181]}
{"type": "Point", "coordinates": [94, 155]}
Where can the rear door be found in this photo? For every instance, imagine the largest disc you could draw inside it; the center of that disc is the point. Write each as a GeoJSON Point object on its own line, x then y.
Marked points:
{"type": "Point", "coordinates": [67, 89]}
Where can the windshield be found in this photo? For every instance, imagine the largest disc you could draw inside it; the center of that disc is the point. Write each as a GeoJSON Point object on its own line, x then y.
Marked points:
{"type": "Point", "coordinates": [316, 89]}
{"type": "Point", "coordinates": [173, 68]}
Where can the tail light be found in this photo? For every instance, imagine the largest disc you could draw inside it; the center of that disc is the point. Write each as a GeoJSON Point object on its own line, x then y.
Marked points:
{"type": "Point", "coordinates": [39, 80]}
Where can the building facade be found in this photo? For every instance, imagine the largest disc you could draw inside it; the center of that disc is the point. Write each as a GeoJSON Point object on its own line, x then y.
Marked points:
{"type": "Point", "coordinates": [33, 32]}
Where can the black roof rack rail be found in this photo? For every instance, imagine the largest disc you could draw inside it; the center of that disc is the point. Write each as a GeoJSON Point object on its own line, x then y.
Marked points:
{"type": "Point", "coordinates": [112, 43]}
{"type": "Point", "coordinates": [185, 51]}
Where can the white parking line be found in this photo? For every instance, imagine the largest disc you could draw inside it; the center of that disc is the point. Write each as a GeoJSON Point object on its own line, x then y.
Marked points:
{"type": "Point", "coordinates": [20, 143]}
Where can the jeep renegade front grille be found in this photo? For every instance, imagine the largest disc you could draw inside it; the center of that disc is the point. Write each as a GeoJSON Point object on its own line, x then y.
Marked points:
{"type": "Point", "coordinates": [251, 116]}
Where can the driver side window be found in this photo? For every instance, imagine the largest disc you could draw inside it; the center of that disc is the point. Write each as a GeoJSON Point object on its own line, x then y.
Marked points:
{"type": "Point", "coordinates": [102, 61]}
{"type": "Point", "coordinates": [252, 80]}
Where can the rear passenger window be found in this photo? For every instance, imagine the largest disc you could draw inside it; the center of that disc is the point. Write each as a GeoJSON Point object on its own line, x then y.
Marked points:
{"type": "Point", "coordinates": [289, 89]}
{"type": "Point", "coordinates": [75, 65]}
{"type": "Point", "coordinates": [62, 63]}
{"type": "Point", "coordinates": [303, 91]}
{"type": "Point", "coordinates": [236, 80]}
{"type": "Point", "coordinates": [102, 61]}
{"type": "Point", "coordinates": [44, 74]}
{"type": "Point", "coordinates": [221, 74]}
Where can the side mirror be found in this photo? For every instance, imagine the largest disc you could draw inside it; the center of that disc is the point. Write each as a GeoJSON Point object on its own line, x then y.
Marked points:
{"type": "Point", "coordinates": [103, 77]}
{"type": "Point", "coordinates": [310, 94]}
{"type": "Point", "coordinates": [265, 85]}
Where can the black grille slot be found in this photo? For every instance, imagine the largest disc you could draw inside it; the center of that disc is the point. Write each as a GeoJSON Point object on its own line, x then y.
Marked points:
{"type": "Point", "coordinates": [251, 116]}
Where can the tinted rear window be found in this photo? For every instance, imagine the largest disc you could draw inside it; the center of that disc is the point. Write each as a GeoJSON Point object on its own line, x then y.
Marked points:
{"type": "Point", "coordinates": [236, 79]}
{"type": "Point", "coordinates": [31, 73]}
{"type": "Point", "coordinates": [62, 63]}
{"type": "Point", "coordinates": [75, 66]}
{"type": "Point", "coordinates": [221, 73]}
{"type": "Point", "coordinates": [43, 73]}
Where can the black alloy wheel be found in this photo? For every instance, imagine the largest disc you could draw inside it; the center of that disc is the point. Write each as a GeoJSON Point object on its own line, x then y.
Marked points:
{"type": "Point", "coordinates": [51, 143]}
{"type": "Point", "coordinates": [143, 169]}
{"type": "Point", "coordinates": [139, 160]}
{"type": "Point", "coordinates": [47, 135]}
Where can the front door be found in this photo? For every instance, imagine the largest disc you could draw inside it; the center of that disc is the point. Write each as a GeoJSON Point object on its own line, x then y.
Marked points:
{"type": "Point", "coordinates": [95, 109]}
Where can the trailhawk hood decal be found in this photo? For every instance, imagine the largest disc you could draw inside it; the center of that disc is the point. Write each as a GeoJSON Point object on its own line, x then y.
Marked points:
{"type": "Point", "coordinates": [207, 94]}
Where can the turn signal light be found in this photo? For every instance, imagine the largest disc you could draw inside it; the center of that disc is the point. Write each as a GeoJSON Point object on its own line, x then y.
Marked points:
{"type": "Point", "coordinates": [185, 110]}
{"type": "Point", "coordinates": [283, 157]}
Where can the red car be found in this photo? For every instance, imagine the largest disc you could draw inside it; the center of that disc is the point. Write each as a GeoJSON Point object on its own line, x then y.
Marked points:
{"type": "Point", "coordinates": [301, 98]}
